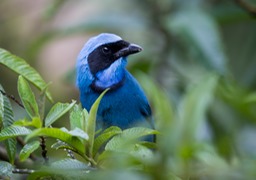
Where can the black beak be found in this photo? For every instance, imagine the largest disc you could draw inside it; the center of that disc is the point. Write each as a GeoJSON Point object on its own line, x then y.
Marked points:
{"type": "Point", "coordinates": [130, 49]}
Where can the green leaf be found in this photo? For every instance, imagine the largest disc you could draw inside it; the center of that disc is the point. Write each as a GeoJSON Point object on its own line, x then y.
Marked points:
{"type": "Point", "coordinates": [194, 105]}
{"type": "Point", "coordinates": [5, 169]}
{"type": "Point", "coordinates": [28, 149]}
{"type": "Point", "coordinates": [128, 137]}
{"type": "Point", "coordinates": [58, 134]}
{"type": "Point", "coordinates": [91, 123]}
{"type": "Point", "coordinates": [104, 137]}
{"type": "Point", "coordinates": [11, 147]}
{"type": "Point", "coordinates": [58, 110]}
{"type": "Point", "coordinates": [79, 133]}
{"type": "Point", "coordinates": [27, 97]}
{"type": "Point", "coordinates": [163, 110]}
{"type": "Point", "coordinates": [62, 145]}
{"type": "Point", "coordinates": [76, 132]}
{"type": "Point", "coordinates": [60, 173]}
{"type": "Point", "coordinates": [251, 98]}
{"type": "Point", "coordinates": [70, 164]}
{"type": "Point", "coordinates": [41, 102]}
{"type": "Point", "coordinates": [13, 131]}
{"type": "Point", "coordinates": [1, 111]}
{"type": "Point", "coordinates": [78, 117]}
{"type": "Point", "coordinates": [8, 120]}
{"type": "Point", "coordinates": [200, 33]}
{"type": "Point", "coordinates": [36, 122]}
{"type": "Point", "coordinates": [141, 152]}
{"type": "Point", "coordinates": [8, 112]}
{"type": "Point", "coordinates": [21, 67]}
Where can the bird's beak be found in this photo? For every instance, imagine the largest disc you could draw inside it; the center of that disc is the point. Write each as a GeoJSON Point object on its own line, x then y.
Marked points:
{"type": "Point", "coordinates": [130, 49]}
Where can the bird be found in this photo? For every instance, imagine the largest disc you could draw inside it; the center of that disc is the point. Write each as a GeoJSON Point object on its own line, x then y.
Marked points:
{"type": "Point", "coordinates": [101, 64]}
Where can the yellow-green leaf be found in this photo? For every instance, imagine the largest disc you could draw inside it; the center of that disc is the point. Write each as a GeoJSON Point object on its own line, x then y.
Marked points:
{"type": "Point", "coordinates": [13, 131]}
{"type": "Point", "coordinates": [104, 137]}
{"type": "Point", "coordinates": [21, 67]}
{"type": "Point", "coordinates": [36, 122]}
{"type": "Point", "coordinates": [78, 117]}
{"type": "Point", "coordinates": [58, 134]}
{"type": "Point", "coordinates": [58, 110]}
{"type": "Point", "coordinates": [27, 97]}
{"type": "Point", "coordinates": [28, 149]}
{"type": "Point", "coordinates": [91, 124]}
{"type": "Point", "coordinates": [128, 137]}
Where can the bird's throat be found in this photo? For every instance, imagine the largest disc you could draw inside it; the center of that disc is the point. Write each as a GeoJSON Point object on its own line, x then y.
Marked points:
{"type": "Point", "coordinates": [112, 77]}
{"type": "Point", "coordinates": [100, 89]}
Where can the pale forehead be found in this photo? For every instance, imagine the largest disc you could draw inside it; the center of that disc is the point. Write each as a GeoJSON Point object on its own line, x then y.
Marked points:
{"type": "Point", "coordinates": [99, 40]}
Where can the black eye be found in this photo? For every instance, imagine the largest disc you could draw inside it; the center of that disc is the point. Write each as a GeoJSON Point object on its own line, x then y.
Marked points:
{"type": "Point", "coordinates": [105, 50]}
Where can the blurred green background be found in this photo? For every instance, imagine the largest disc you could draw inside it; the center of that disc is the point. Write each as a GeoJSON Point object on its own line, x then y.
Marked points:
{"type": "Point", "coordinates": [198, 65]}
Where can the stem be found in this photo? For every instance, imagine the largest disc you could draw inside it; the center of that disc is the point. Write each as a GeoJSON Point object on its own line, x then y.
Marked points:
{"type": "Point", "coordinates": [91, 160]}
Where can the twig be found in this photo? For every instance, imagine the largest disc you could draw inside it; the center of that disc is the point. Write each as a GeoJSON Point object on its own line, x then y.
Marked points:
{"type": "Point", "coordinates": [248, 7]}
{"type": "Point", "coordinates": [23, 171]}
{"type": "Point", "coordinates": [12, 98]}
{"type": "Point", "coordinates": [44, 150]}
{"type": "Point", "coordinates": [4, 157]}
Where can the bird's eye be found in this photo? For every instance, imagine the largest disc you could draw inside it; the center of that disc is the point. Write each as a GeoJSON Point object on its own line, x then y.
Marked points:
{"type": "Point", "coordinates": [105, 50]}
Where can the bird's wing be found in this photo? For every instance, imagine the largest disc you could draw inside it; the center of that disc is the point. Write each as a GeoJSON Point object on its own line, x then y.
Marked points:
{"type": "Point", "coordinates": [147, 114]}
{"type": "Point", "coordinates": [144, 106]}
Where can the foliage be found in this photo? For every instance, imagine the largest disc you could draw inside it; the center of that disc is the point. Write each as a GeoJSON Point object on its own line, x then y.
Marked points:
{"type": "Point", "coordinates": [80, 140]}
{"type": "Point", "coordinates": [200, 58]}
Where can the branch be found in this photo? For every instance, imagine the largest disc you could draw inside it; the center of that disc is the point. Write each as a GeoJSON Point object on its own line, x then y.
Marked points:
{"type": "Point", "coordinates": [4, 157]}
{"type": "Point", "coordinates": [246, 6]}
{"type": "Point", "coordinates": [44, 150]}
{"type": "Point", "coordinates": [23, 171]}
{"type": "Point", "coordinates": [12, 98]}
{"type": "Point", "coordinates": [3, 154]}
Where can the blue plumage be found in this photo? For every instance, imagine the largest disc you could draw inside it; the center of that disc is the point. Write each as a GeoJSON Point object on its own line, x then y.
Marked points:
{"type": "Point", "coordinates": [100, 65]}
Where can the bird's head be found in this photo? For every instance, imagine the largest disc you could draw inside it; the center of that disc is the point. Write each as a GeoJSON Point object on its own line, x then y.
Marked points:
{"type": "Point", "coordinates": [101, 62]}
